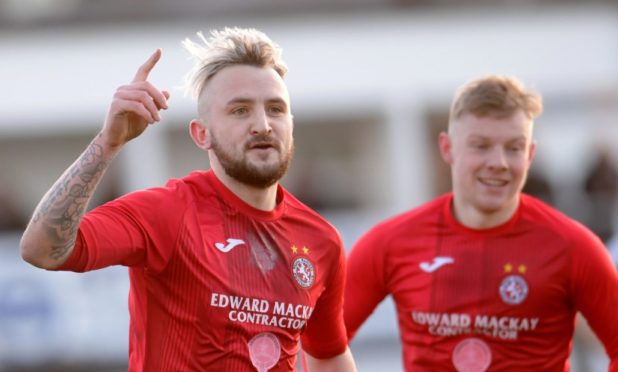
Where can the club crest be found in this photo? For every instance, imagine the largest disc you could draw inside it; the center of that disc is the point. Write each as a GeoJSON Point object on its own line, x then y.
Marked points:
{"type": "Point", "coordinates": [264, 351]}
{"type": "Point", "coordinates": [472, 355]}
{"type": "Point", "coordinates": [304, 272]}
{"type": "Point", "coordinates": [513, 289]}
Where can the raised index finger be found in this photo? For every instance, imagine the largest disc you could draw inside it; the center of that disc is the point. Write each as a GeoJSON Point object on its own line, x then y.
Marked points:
{"type": "Point", "coordinates": [144, 70]}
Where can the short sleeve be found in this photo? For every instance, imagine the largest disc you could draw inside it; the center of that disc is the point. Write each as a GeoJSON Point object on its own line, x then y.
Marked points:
{"type": "Point", "coordinates": [595, 291]}
{"type": "Point", "coordinates": [365, 282]}
{"type": "Point", "coordinates": [325, 335]}
{"type": "Point", "coordinates": [138, 230]}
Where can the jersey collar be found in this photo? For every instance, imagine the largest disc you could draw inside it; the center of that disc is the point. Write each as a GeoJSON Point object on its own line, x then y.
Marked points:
{"type": "Point", "coordinates": [234, 201]}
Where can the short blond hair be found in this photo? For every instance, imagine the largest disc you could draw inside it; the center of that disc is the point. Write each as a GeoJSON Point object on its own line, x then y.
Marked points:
{"type": "Point", "coordinates": [495, 95]}
{"type": "Point", "coordinates": [228, 47]}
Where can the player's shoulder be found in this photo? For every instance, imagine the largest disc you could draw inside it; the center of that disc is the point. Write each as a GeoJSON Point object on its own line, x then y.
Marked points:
{"type": "Point", "coordinates": [193, 185]}
{"type": "Point", "coordinates": [196, 180]}
{"type": "Point", "coordinates": [303, 214]}
{"type": "Point", "coordinates": [543, 216]}
{"type": "Point", "coordinates": [174, 188]}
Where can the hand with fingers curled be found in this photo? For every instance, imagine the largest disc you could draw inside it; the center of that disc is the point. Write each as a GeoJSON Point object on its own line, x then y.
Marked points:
{"type": "Point", "coordinates": [134, 106]}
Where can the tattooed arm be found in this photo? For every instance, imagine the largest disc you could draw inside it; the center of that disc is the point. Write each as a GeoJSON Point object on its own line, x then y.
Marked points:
{"type": "Point", "coordinates": [50, 236]}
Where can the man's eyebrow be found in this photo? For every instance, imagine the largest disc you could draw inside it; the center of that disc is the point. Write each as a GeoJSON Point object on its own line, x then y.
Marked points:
{"type": "Point", "coordinates": [236, 100]}
{"type": "Point", "coordinates": [277, 100]}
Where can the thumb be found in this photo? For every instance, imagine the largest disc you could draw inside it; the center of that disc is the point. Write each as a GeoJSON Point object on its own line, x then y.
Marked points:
{"type": "Point", "coordinates": [167, 95]}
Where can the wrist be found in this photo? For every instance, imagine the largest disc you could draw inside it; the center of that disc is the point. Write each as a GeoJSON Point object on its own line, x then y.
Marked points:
{"type": "Point", "coordinates": [109, 147]}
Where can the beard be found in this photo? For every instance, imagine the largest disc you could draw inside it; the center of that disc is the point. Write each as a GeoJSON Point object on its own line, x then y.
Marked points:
{"type": "Point", "coordinates": [241, 169]}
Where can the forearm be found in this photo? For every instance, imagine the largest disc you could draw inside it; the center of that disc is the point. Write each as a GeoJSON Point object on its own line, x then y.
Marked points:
{"type": "Point", "coordinates": [343, 362]}
{"type": "Point", "coordinates": [50, 236]}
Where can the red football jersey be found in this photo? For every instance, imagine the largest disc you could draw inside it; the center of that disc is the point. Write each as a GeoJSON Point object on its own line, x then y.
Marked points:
{"type": "Point", "coordinates": [216, 284]}
{"type": "Point", "coordinates": [500, 299]}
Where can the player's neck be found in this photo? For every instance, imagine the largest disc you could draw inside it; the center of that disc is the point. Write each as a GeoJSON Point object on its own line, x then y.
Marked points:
{"type": "Point", "coordinates": [264, 199]}
{"type": "Point", "coordinates": [474, 218]}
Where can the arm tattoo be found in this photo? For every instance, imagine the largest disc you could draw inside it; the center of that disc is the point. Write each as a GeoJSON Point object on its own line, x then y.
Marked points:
{"type": "Point", "coordinates": [62, 209]}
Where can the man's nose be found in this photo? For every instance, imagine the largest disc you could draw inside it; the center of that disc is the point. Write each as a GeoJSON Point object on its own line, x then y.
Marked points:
{"type": "Point", "coordinates": [497, 159]}
{"type": "Point", "coordinates": [261, 123]}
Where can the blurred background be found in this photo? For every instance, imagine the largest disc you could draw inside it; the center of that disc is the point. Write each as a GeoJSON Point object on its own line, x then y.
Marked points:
{"type": "Point", "coordinates": [370, 81]}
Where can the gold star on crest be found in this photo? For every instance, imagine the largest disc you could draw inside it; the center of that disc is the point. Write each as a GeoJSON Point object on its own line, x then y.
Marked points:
{"type": "Point", "coordinates": [306, 250]}
{"type": "Point", "coordinates": [508, 268]}
{"type": "Point", "coordinates": [522, 269]}
{"type": "Point", "coordinates": [294, 249]}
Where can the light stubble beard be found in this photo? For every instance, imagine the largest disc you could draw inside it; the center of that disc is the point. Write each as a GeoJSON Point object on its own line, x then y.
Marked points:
{"type": "Point", "coordinates": [243, 171]}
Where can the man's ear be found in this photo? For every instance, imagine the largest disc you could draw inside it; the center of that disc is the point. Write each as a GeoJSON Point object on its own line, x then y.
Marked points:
{"type": "Point", "coordinates": [446, 147]}
{"type": "Point", "coordinates": [200, 134]}
{"type": "Point", "coordinates": [532, 152]}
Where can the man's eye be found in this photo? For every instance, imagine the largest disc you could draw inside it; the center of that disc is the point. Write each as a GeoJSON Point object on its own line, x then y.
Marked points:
{"type": "Point", "coordinates": [240, 111]}
{"type": "Point", "coordinates": [275, 110]}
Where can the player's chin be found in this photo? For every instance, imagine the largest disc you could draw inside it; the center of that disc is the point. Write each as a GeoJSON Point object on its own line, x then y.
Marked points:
{"type": "Point", "coordinates": [266, 168]}
{"type": "Point", "coordinates": [264, 163]}
{"type": "Point", "coordinates": [264, 159]}
{"type": "Point", "coordinates": [263, 152]}
{"type": "Point", "coordinates": [490, 204]}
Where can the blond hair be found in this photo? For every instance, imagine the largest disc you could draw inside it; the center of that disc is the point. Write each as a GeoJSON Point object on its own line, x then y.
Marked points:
{"type": "Point", "coordinates": [495, 95]}
{"type": "Point", "coordinates": [228, 47]}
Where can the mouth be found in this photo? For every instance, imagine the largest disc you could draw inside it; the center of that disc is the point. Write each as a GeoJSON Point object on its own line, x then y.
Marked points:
{"type": "Point", "coordinates": [262, 145]}
{"type": "Point", "coordinates": [493, 182]}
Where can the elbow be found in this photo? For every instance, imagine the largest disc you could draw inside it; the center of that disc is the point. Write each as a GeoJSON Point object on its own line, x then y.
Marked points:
{"type": "Point", "coordinates": [28, 253]}
{"type": "Point", "coordinates": [32, 253]}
